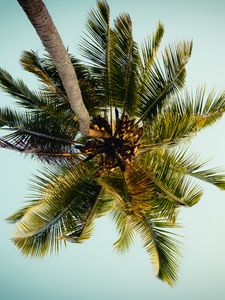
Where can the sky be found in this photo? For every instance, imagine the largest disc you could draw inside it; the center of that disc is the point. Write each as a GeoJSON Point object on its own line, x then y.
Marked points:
{"type": "Point", "coordinates": [94, 270]}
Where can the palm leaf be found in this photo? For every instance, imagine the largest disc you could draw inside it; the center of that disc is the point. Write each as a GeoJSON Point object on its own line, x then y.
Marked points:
{"type": "Point", "coordinates": [175, 186]}
{"type": "Point", "coordinates": [65, 158]}
{"type": "Point", "coordinates": [65, 201]}
{"type": "Point", "coordinates": [132, 191]}
{"type": "Point", "coordinates": [162, 246]}
{"type": "Point", "coordinates": [128, 196]}
{"type": "Point", "coordinates": [52, 87]}
{"type": "Point", "coordinates": [182, 117]}
{"type": "Point", "coordinates": [125, 229]}
{"type": "Point", "coordinates": [10, 118]}
{"type": "Point", "coordinates": [113, 55]}
{"type": "Point", "coordinates": [158, 242]}
{"type": "Point", "coordinates": [44, 70]}
{"type": "Point", "coordinates": [184, 163]}
{"type": "Point", "coordinates": [149, 50]}
{"type": "Point", "coordinates": [19, 90]}
{"type": "Point", "coordinates": [163, 84]}
{"type": "Point", "coordinates": [206, 109]}
{"type": "Point", "coordinates": [19, 214]}
{"type": "Point", "coordinates": [124, 66]}
{"type": "Point", "coordinates": [102, 207]}
{"type": "Point", "coordinates": [96, 48]}
{"type": "Point", "coordinates": [39, 133]}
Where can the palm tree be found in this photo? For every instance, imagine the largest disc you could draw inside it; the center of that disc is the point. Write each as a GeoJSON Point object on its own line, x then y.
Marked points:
{"type": "Point", "coordinates": [140, 173]}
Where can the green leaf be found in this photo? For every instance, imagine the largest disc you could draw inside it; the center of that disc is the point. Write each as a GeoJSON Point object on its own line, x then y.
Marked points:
{"type": "Point", "coordinates": [175, 186]}
{"type": "Point", "coordinates": [205, 109]}
{"type": "Point", "coordinates": [102, 207]}
{"type": "Point", "coordinates": [45, 71]}
{"type": "Point", "coordinates": [19, 90]}
{"type": "Point", "coordinates": [18, 215]}
{"type": "Point", "coordinates": [65, 201]}
{"type": "Point", "coordinates": [125, 228]}
{"type": "Point", "coordinates": [182, 117]}
{"type": "Point", "coordinates": [39, 133]}
{"type": "Point", "coordinates": [124, 66]}
{"type": "Point", "coordinates": [52, 88]}
{"type": "Point", "coordinates": [96, 48]}
{"type": "Point", "coordinates": [162, 246]}
{"type": "Point", "coordinates": [132, 190]}
{"type": "Point", "coordinates": [10, 118]}
{"type": "Point", "coordinates": [189, 164]}
{"type": "Point", "coordinates": [113, 57]}
{"type": "Point", "coordinates": [163, 84]}
{"type": "Point", "coordinates": [149, 49]}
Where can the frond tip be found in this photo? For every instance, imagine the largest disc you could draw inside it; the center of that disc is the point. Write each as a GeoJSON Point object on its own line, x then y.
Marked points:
{"type": "Point", "coordinates": [162, 246]}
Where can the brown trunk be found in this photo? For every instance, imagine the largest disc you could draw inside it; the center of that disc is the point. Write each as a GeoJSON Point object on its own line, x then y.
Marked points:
{"type": "Point", "coordinates": [43, 24]}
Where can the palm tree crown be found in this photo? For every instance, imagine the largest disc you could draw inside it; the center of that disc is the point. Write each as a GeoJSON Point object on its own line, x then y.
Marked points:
{"type": "Point", "coordinates": [135, 170]}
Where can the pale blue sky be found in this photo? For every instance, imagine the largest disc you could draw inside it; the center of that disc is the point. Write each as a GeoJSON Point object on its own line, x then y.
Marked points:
{"type": "Point", "coordinates": [93, 270]}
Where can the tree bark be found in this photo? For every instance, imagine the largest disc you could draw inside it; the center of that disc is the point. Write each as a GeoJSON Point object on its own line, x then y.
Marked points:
{"type": "Point", "coordinates": [38, 15]}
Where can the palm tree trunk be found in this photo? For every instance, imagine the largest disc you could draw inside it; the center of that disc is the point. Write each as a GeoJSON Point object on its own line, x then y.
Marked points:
{"type": "Point", "coordinates": [38, 15]}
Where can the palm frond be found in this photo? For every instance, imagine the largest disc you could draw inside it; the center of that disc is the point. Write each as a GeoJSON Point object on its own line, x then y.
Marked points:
{"type": "Point", "coordinates": [113, 55]}
{"type": "Point", "coordinates": [98, 34]}
{"type": "Point", "coordinates": [62, 157]}
{"type": "Point", "coordinates": [96, 48]}
{"type": "Point", "coordinates": [149, 50]}
{"type": "Point", "coordinates": [158, 242]}
{"type": "Point", "coordinates": [10, 118]}
{"type": "Point", "coordinates": [164, 208]}
{"type": "Point", "coordinates": [44, 70]}
{"type": "Point", "coordinates": [39, 133]}
{"type": "Point", "coordinates": [103, 206]}
{"type": "Point", "coordinates": [163, 84]}
{"type": "Point", "coordinates": [132, 191]}
{"type": "Point", "coordinates": [206, 109]}
{"type": "Point", "coordinates": [52, 87]}
{"type": "Point", "coordinates": [116, 188]}
{"type": "Point", "coordinates": [65, 201]}
{"type": "Point", "coordinates": [19, 214]}
{"type": "Point", "coordinates": [189, 164]}
{"type": "Point", "coordinates": [175, 186]}
{"type": "Point", "coordinates": [168, 129]}
{"type": "Point", "coordinates": [162, 246]}
{"type": "Point", "coordinates": [124, 66]}
{"type": "Point", "coordinates": [20, 91]}
{"type": "Point", "coordinates": [125, 229]}
{"type": "Point", "coordinates": [137, 193]}
{"type": "Point", "coordinates": [213, 176]}
{"type": "Point", "coordinates": [182, 117]}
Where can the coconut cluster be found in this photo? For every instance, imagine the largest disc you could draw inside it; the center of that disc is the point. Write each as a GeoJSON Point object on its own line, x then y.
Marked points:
{"type": "Point", "coordinates": [119, 149]}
